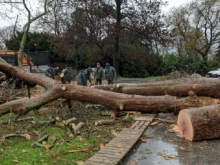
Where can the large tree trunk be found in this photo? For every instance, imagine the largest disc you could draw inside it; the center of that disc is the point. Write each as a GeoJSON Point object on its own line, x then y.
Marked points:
{"type": "Point", "coordinates": [200, 123]}
{"type": "Point", "coordinates": [116, 101]}
{"type": "Point", "coordinates": [179, 87]}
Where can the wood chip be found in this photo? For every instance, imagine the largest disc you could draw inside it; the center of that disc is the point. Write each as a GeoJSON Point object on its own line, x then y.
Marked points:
{"type": "Point", "coordinates": [154, 123]}
{"type": "Point", "coordinates": [181, 148]}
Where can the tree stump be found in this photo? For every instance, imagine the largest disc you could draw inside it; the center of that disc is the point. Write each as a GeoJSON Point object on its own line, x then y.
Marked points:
{"type": "Point", "coordinates": [200, 123]}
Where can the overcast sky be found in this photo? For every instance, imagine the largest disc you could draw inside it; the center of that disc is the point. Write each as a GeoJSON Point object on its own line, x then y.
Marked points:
{"type": "Point", "coordinates": [172, 3]}
{"type": "Point", "coordinates": [175, 3]}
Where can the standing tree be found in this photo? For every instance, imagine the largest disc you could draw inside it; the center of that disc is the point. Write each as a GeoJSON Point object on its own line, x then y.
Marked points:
{"type": "Point", "coordinates": [197, 24]}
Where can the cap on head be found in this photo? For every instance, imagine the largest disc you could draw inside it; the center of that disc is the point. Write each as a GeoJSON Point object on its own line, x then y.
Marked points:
{"type": "Point", "coordinates": [89, 69]}
{"type": "Point", "coordinates": [107, 64]}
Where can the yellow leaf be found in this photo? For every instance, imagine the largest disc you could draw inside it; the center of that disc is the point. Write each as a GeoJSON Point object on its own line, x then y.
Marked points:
{"type": "Point", "coordinates": [101, 145]}
{"type": "Point", "coordinates": [143, 139]}
{"type": "Point", "coordinates": [15, 160]}
{"type": "Point", "coordinates": [172, 156]}
{"type": "Point", "coordinates": [24, 151]}
{"type": "Point", "coordinates": [181, 148]}
{"type": "Point", "coordinates": [28, 137]}
{"type": "Point", "coordinates": [47, 148]}
{"type": "Point", "coordinates": [71, 135]}
{"type": "Point", "coordinates": [81, 139]}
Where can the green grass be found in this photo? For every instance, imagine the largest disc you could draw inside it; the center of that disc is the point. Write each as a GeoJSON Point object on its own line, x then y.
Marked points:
{"type": "Point", "coordinates": [18, 150]}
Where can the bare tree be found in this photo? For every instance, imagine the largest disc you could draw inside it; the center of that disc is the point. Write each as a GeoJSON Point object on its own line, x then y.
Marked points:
{"type": "Point", "coordinates": [198, 24]}
{"type": "Point", "coordinates": [23, 6]}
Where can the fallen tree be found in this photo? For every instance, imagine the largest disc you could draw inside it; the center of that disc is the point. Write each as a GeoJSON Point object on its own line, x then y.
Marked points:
{"type": "Point", "coordinates": [178, 87]}
{"type": "Point", "coordinates": [199, 123]}
{"type": "Point", "coordinates": [116, 101]}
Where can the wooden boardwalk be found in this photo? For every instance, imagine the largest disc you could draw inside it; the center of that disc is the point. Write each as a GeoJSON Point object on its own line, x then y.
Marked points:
{"type": "Point", "coordinates": [114, 152]}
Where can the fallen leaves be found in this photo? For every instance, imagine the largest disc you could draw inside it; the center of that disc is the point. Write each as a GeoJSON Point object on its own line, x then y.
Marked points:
{"type": "Point", "coordinates": [24, 151]}
{"type": "Point", "coordinates": [191, 93]}
{"type": "Point", "coordinates": [174, 128]}
{"type": "Point", "coordinates": [143, 139]}
{"type": "Point", "coordinates": [182, 148]}
{"type": "Point", "coordinates": [28, 137]}
{"type": "Point", "coordinates": [101, 145]}
{"type": "Point", "coordinates": [15, 160]}
{"type": "Point", "coordinates": [154, 123]}
{"type": "Point", "coordinates": [168, 157]}
{"type": "Point", "coordinates": [81, 139]}
{"type": "Point", "coordinates": [133, 163]}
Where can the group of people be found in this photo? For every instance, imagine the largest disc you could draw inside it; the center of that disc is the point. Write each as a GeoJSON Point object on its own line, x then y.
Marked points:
{"type": "Point", "coordinates": [108, 73]}
{"type": "Point", "coordinates": [84, 75]}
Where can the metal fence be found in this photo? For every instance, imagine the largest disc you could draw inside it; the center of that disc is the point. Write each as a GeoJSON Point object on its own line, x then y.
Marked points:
{"type": "Point", "coordinates": [11, 59]}
{"type": "Point", "coordinates": [39, 57]}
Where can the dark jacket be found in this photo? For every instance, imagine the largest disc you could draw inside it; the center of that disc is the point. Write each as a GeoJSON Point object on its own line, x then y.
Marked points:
{"type": "Point", "coordinates": [99, 73]}
{"type": "Point", "coordinates": [82, 77]}
{"type": "Point", "coordinates": [110, 73]}
{"type": "Point", "coordinates": [68, 74]}
{"type": "Point", "coordinates": [51, 72]}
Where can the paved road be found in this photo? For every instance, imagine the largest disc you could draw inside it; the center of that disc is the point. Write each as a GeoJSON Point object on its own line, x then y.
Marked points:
{"type": "Point", "coordinates": [164, 147]}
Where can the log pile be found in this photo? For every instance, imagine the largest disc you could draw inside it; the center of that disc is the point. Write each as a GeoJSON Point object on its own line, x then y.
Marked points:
{"type": "Point", "coordinates": [160, 96]}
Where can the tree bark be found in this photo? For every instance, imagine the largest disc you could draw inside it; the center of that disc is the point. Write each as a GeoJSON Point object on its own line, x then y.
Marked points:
{"type": "Point", "coordinates": [179, 87]}
{"type": "Point", "coordinates": [26, 30]}
{"type": "Point", "coordinates": [200, 123]}
{"type": "Point", "coordinates": [116, 101]}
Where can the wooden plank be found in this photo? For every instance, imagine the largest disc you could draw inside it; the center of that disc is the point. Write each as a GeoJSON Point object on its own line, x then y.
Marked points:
{"type": "Point", "coordinates": [129, 130]}
{"type": "Point", "coordinates": [144, 118]}
{"type": "Point", "coordinates": [144, 126]}
{"type": "Point", "coordinates": [120, 144]}
{"type": "Point", "coordinates": [126, 137]}
{"type": "Point", "coordinates": [134, 124]}
{"type": "Point", "coordinates": [105, 154]}
{"type": "Point", "coordinates": [113, 152]}
{"type": "Point", "coordinates": [104, 159]}
{"type": "Point", "coordinates": [146, 123]}
{"type": "Point", "coordinates": [115, 149]}
{"type": "Point", "coordinates": [107, 150]}
{"type": "Point", "coordinates": [139, 125]}
{"type": "Point", "coordinates": [101, 160]}
{"type": "Point", "coordinates": [91, 162]}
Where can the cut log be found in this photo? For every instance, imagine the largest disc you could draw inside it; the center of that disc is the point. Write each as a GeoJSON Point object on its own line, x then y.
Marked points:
{"type": "Point", "coordinates": [104, 122]}
{"type": "Point", "coordinates": [178, 87]}
{"type": "Point", "coordinates": [194, 101]}
{"type": "Point", "coordinates": [115, 101]}
{"type": "Point", "coordinates": [199, 123]}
